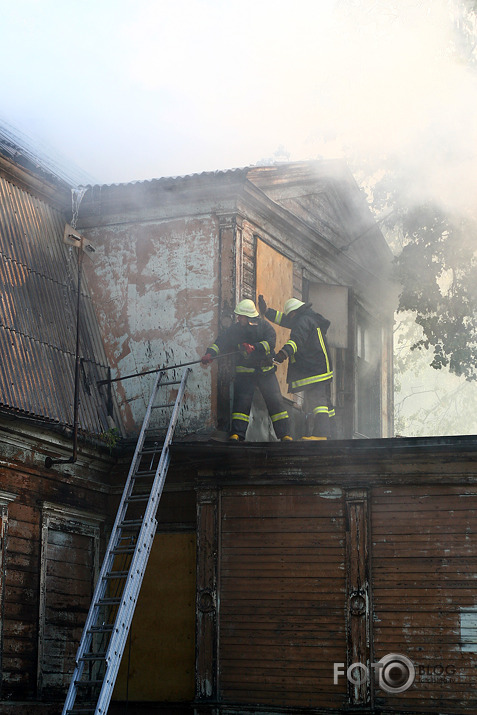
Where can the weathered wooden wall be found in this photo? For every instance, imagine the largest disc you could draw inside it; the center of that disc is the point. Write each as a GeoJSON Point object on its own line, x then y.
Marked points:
{"type": "Point", "coordinates": [323, 555]}
{"type": "Point", "coordinates": [53, 525]}
{"type": "Point", "coordinates": [279, 548]}
{"type": "Point", "coordinates": [424, 573]}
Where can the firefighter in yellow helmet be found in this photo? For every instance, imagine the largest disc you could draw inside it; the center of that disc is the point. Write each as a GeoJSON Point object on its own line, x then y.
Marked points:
{"type": "Point", "coordinates": [254, 339]}
{"type": "Point", "coordinates": [309, 368]}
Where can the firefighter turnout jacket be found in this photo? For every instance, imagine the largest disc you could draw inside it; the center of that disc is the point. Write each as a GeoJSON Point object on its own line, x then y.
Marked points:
{"type": "Point", "coordinates": [309, 359]}
{"type": "Point", "coordinates": [260, 335]}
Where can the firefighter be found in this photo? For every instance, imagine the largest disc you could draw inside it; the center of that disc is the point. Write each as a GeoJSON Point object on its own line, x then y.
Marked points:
{"type": "Point", "coordinates": [309, 369]}
{"type": "Point", "coordinates": [254, 339]}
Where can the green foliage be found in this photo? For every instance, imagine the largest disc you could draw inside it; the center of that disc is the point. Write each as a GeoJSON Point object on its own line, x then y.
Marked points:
{"type": "Point", "coordinates": [437, 270]}
{"type": "Point", "coordinates": [110, 437]}
{"type": "Point", "coordinates": [428, 402]}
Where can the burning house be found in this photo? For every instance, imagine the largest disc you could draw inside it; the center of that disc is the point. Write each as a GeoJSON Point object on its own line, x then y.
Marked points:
{"type": "Point", "coordinates": [273, 567]}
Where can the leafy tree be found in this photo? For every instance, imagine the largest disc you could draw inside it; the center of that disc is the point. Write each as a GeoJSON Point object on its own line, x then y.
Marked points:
{"type": "Point", "coordinates": [437, 269]}
{"type": "Point", "coordinates": [428, 402]}
{"type": "Point", "coordinates": [432, 231]}
{"type": "Point", "coordinates": [436, 244]}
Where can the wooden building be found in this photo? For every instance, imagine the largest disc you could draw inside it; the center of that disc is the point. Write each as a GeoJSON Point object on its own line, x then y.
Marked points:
{"type": "Point", "coordinates": [174, 256]}
{"type": "Point", "coordinates": [52, 520]}
{"type": "Point", "coordinates": [275, 566]}
{"type": "Point", "coordinates": [314, 558]}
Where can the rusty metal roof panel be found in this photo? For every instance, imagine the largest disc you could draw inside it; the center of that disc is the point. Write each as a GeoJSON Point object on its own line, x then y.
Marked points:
{"type": "Point", "coordinates": [44, 161]}
{"type": "Point", "coordinates": [38, 310]}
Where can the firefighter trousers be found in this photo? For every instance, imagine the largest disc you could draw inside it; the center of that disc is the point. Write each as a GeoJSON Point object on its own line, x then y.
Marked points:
{"type": "Point", "coordinates": [317, 404]}
{"type": "Point", "coordinates": [244, 387]}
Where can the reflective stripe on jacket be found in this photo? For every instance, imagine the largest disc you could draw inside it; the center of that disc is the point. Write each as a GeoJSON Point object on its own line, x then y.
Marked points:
{"type": "Point", "coordinates": [260, 334]}
{"type": "Point", "coordinates": [309, 359]}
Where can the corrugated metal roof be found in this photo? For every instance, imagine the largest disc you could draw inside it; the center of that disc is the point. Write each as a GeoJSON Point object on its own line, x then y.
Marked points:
{"type": "Point", "coordinates": [26, 151]}
{"type": "Point", "coordinates": [38, 273]}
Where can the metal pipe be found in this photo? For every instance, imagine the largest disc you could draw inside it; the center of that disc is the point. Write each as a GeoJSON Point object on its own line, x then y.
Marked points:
{"type": "Point", "coordinates": [49, 462]}
{"type": "Point", "coordinates": [158, 369]}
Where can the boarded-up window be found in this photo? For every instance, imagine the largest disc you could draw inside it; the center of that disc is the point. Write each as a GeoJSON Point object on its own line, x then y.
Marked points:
{"type": "Point", "coordinates": [275, 283]}
{"type": "Point", "coordinates": [69, 566]}
{"type": "Point", "coordinates": [158, 662]}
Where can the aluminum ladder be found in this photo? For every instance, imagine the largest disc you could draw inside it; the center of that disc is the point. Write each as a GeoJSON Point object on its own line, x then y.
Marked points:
{"type": "Point", "coordinates": [110, 615]}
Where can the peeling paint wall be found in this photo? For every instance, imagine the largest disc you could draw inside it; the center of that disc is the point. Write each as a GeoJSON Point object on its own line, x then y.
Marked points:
{"type": "Point", "coordinates": [156, 287]}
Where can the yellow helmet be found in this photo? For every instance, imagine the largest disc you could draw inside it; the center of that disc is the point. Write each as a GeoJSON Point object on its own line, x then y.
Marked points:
{"type": "Point", "coordinates": [291, 305]}
{"type": "Point", "coordinates": [246, 307]}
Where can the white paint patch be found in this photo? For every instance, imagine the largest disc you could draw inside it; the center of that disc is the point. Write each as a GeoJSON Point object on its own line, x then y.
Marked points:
{"type": "Point", "coordinates": [468, 630]}
{"type": "Point", "coordinates": [330, 494]}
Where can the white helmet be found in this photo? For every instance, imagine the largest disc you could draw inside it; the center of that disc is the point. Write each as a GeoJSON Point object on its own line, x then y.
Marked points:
{"type": "Point", "coordinates": [291, 305]}
{"type": "Point", "coordinates": [246, 307]}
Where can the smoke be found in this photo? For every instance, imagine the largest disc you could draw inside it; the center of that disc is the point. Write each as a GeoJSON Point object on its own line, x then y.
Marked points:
{"type": "Point", "coordinates": [143, 89]}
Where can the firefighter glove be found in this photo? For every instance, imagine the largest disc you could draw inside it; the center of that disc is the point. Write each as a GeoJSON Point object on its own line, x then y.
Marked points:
{"type": "Point", "coordinates": [280, 356]}
{"type": "Point", "coordinates": [248, 348]}
{"type": "Point", "coordinates": [207, 359]}
{"type": "Point", "coordinates": [262, 306]}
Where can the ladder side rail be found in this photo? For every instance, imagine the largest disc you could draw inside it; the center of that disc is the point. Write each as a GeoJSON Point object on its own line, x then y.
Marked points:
{"type": "Point", "coordinates": [139, 562]}
{"type": "Point", "coordinates": [161, 470]}
{"type": "Point", "coordinates": [101, 584]}
{"type": "Point", "coordinates": [125, 614]}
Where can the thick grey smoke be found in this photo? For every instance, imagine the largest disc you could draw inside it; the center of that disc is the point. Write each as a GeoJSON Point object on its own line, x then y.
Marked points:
{"type": "Point", "coordinates": [139, 89]}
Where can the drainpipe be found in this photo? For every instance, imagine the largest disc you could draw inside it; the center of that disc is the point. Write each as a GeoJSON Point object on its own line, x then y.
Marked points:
{"type": "Point", "coordinates": [82, 244]}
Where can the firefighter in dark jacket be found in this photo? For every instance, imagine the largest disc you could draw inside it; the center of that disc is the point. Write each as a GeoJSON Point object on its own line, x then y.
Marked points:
{"type": "Point", "coordinates": [254, 339]}
{"type": "Point", "coordinates": [309, 368]}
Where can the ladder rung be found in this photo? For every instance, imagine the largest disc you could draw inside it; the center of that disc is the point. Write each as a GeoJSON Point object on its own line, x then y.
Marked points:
{"type": "Point", "coordinates": [151, 463]}
{"type": "Point", "coordinates": [109, 601]}
{"type": "Point", "coordinates": [93, 656]}
{"type": "Point", "coordinates": [105, 628]}
{"type": "Point", "coordinates": [117, 574]}
{"type": "Point", "coordinates": [123, 550]}
{"type": "Point", "coordinates": [138, 498]}
{"type": "Point", "coordinates": [130, 523]}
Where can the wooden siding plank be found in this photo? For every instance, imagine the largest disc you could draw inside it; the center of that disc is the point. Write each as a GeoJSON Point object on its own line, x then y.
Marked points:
{"type": "Point", "coordinates": [424, 573]}
{"type": "Point", "coordinates": [282, 586]}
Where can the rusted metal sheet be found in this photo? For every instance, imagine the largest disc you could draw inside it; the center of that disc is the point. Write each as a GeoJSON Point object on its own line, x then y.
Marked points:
{"type": "Point", "coordinates": [38, 314]}
{"type": "Point", "coordinates": [24, 151]}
